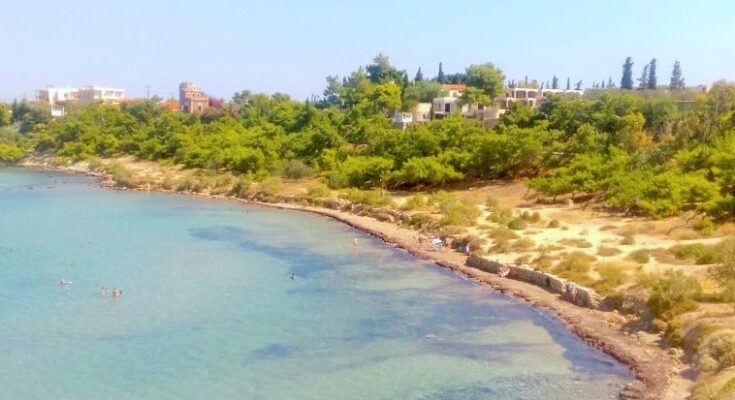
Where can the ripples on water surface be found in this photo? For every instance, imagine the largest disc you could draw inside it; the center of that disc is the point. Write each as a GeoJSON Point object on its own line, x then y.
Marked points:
{"type": "Point", "coordinates": [209, 310]}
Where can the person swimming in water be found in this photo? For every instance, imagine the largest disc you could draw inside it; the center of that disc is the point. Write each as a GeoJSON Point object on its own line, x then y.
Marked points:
{"type": "Point", "coordinates": [103, 291]}
{"type": "Point", "coordinates": [116, 292]}
{"type": "Point", "coordinates": [64, 282]}
{"type": "Point", "coordinates": [293, 277]}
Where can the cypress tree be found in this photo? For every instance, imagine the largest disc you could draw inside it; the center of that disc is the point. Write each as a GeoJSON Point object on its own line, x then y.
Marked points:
{"type": "Point", "coordinates": [569, 84]}
{"type": "Point", "coordinates": [419, 76]}
{"type": "Point", "coordinates": [610, 83]}
{"type": "Point", "coordinates": [440, 76]}
{"type": "Point", "coordinates": [626, 82]}
{"type": "Point", "coordinates": [555, 82]}
{"type": "Point", "coordinates": [677, 82]}
{"type": "Point", "coordinates": [643, 80]}
{"type": "Point", "coordinates": [652, 79]}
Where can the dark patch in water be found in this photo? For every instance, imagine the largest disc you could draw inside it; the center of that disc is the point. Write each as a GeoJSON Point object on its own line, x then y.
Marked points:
{"type": "Point", "coordinates": [274, 350]}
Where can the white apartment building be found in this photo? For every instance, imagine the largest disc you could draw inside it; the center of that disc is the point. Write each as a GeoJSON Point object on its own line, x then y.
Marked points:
{"type": "Point", "coordinates": [58, 97]}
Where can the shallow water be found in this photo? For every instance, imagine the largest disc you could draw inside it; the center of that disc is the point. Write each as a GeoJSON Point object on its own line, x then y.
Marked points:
{"type": "Point", "coordinates": [209, 310]}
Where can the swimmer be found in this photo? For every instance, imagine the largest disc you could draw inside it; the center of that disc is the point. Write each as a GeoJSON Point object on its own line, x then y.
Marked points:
{"type": "Point", "coordinates": [103, 291]}
{"type": "Point", "coordinates": [293, 277]}
{"type": "Point", "coordinates": [64, 282]}
{"type": "Point", "coordinates": [116, 292]}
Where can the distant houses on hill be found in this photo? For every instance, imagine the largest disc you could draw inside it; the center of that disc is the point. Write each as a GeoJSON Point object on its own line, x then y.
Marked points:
{"type": "Point", "coordinates": [191, 100]}
{"type": "Point", "coordinates": [452, 103]}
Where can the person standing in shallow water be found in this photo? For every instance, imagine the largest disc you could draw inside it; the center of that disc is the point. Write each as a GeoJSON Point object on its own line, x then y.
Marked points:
{"type": "Point", "coordinates": [116, 292]}
{"type": "Point", "coordinates": [354, 243]}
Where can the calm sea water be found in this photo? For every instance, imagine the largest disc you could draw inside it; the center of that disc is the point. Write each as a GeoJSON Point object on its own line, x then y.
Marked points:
{"type": "Point", "coordinates": [209, 310]}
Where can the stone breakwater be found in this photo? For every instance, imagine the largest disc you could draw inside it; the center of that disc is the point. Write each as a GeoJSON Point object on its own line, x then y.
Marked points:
{"type": "Point", "coordinates": [585, 297]}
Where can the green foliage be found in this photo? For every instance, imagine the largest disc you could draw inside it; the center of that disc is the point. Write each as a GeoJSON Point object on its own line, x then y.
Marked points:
{"type": "Point", "coordinates": [296, 169]}
{"type": "Point", "coordinates": [724, 271]}
{"type": "Point", "coordinates": [640, 256]}
{"type": "Point", "coordinates": [575, 266]}
{"type": "Point", "coordinates": [701, 253]}
{"type": "Point", "coordinates": [10, 153]}
{"type": "Point", "coordinates": [318, 191]}
{"type": "Point", "coordinates": [372, 198]}
{"type": "Point", "coordinates": [672, 294]}
{"type": "Point", "coordinates": [242, 187]}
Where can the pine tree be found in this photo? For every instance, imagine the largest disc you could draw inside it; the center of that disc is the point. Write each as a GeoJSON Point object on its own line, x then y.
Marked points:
{"type": "Point", "coordinates": [440, 76]}
{"type": "Point", "coordinates": [569, 84]}
{"type": "Point", "coordinates": [419, 76]}
{"type": "Point", "coordinates": [677, 82]}
{"type": "Point", "coordinates": [652, 79]}
{"type": "Point", "coordinates": [626, 82]}
{"type": "Point", "coordinates": [405, 80]}
{"type": "Point", "coordinates": [555, 82]}
{"type": "Point", "coordinates": [578, 85]}
{"type": "Point", "coordinates": [610, 83]}
{"type": "Point", "coordinates": [643, 80]}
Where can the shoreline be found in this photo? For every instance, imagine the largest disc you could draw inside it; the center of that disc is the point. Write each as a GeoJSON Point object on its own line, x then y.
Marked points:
{"type": "Point", "coordinates": [655, 371]}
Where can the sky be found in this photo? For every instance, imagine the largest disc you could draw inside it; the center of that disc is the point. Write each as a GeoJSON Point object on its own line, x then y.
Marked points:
{"type": "Point", "coordinates": [289, 46]}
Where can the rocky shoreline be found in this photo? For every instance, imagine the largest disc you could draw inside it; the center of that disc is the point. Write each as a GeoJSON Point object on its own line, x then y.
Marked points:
{"type": "Point", "coordinates": [656, 370]}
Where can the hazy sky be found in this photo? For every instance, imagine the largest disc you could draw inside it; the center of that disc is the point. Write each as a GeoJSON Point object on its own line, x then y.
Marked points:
{"type": "Point", "coordinates": [291, 46]}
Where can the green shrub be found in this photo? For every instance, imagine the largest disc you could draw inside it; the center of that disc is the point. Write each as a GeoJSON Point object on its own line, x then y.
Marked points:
{"type": "Point", "coordinates": [122, 176]}
{"type": "Point", "coordinates": [717, 351]}
{"type": "Point", "coordinates": [725, 270]}
{"type": "Point", "coordinates": [640, 256]}
{"type": "Point", "coordinates": [673, 294]}
{"type": "Point", "coordinates": [697, 252]}
{"type": "Point", "coordinates": [611, 276]}
{"type": "Point", "coordinates": [270, 189]}
{"type": "Point", "coordinates": [575, 266]}
{"type": "Point", "coordinates": [628, 239]}
{"type": "Point", "coordinates": [554, 223]}
{"type": "Point", "coordinates": [501, 216]}
{"type": "Point", "coordinates": [190, 184]}
{"type": "Point", "coordinates": [318, 190]}
{"type": "Point", "coordinates": [705, 226]}
{"type": "Point", "coordinates": [242, 188]}
{"type": "Point", "coordinates": [517, 223]}
{"type": "Point", "coordinates": [608, 251]}
{"type": "Point", "coordinates": [296, 169]}
{"type": "Point", "coordinates": [415, 202]}
{"type": "Point", "coordinates": [461, 212]}
{"type": "Point", "coordinates": [372, 198]}
{"type": "Point", "coordinates": [492, 203]}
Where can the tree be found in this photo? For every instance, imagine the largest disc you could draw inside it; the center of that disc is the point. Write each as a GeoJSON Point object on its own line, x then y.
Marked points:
{"type": "Point", "coordinates": [569, 83]}
{"type": "Point", "coordinates": [652, 79]}
{"type": "Point", "coordinates": [626, 82]}
{"type": "Point", "coordinates": [643, 80]}
{"type": "Point", "coordinates": [677, 81]}
{"type": "Point", "coordinates": [5, 115]}
{"type": "Point", "coordinates": [610, 83]}
{"type": "Point", "coordinates": [578, 85]}
{"type": "Point", "coordinates": [486, 77]}
{"type": "Point", "coordinates": [333, 92]}
{"type": "Point", "coordinates": [419, 76]}
{"type": "Point", "coordinates": [381, 70]}
{"type": "Point", "coordinates": [440, 76]}
{"type": "Point", "coordinates": [724, 272]}
{"type": "Point", "coordinates": [555, 82]}
{"type": "Point", "coordinates": [473, 95]}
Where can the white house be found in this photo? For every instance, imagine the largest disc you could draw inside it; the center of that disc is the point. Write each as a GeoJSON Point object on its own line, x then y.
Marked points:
{"type": "Point", "coordinates": [98, 93]}
{"type": "Point", "coordinates": [449, 104]}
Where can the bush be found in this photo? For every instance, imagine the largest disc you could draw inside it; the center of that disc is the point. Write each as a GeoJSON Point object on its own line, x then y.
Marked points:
{"type": "Point", "coordinates": [673, 294]}
{"type": "Point", "coordinates": [372, 198]}
{"type": "Point", "coordinates": [554, 223]}
{"type": "Point", "coordinates": [190, 184]}
{"type": "Point", "coordinates": [462, 212]}
{"type": "Point", "coordinates": [608, 251]}
{"type": "Point", "coordinates": [725, 271]}
{"type": "Point", "coordinates": [640, 256]}
{"type": "Point", "coordinates": [611, 276]}
{"type": "Point", "coordinates": [575, 266]}
{"type": "Point", "coordinates": [705, 226]}
{"type": "Point", "coordinates": [697, 252]}
{"type": "Point", "coordinates": [270, 189]}
{"type": "Point", "coordinates": [501, 216]}
{"type": "Point", "coordinates": [122, 176]}
{"type": "Point", "coordinates": [628, 239]}
{"type": "Point", "coordinates": [415, 202]}
{"type": "Point", "coordinates": [242, 188]}
{"type": "Point", "coordinates": [492, 203]}
{"type": "Point", "coordinates": [517, 223]}
{"type": "Point", "coordinates": [296, 169]}
{"type": "Point", "coordinates": [717, 351]}
{"type": "Point", "coordinates": [318, 190]}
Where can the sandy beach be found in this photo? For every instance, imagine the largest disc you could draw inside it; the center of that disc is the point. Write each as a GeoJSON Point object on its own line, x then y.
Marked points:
{"type": "Point", "coordinates": [659, 373]}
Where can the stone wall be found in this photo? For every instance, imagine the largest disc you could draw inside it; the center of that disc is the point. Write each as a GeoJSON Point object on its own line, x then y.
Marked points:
{"type": "Point", "coordinates": [586, 297]}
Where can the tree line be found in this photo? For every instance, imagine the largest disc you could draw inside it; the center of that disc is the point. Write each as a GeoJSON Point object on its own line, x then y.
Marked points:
{"type": "Point", "coordinates": [639, 154]}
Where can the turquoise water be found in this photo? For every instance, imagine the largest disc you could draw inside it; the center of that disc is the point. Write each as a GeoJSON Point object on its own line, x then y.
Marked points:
{"type": "Point", "coordinates": [209, 310]}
